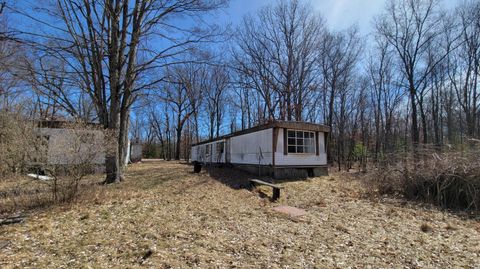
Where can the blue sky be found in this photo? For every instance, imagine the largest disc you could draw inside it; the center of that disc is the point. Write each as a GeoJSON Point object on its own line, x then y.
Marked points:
{"type": "Point", "coordinates": [339, 14]}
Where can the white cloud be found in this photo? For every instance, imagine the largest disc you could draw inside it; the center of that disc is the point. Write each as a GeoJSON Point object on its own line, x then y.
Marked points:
{"type": "Point", "coordinates": [341, 14]}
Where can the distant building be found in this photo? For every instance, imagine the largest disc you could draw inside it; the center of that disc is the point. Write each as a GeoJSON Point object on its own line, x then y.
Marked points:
{"type": "Point", "coordinates": [279, 149]}
{"type": "Point", "coordinates": [63, 143]}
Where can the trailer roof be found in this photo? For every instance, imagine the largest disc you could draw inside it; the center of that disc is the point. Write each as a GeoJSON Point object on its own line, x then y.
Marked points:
{"type": "Point", "coordinates": [63, 124]}
{"type": "Point", "coordinates": [297, 125]}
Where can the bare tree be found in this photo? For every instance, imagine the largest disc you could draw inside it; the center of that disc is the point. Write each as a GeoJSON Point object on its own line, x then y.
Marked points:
{"type": "Point", "coordinates": [464, 65]}
{"type": "Point", "coordinates": [103, 43]}
{"type": "Point", "coordinates": [183, 93]}
{"type": "Point", "coordinates": [276, 54]}
{"type": "Point", "coordinates": [215, 86]}
{"type": "Point", "coordinates": [12, 56]}
{"type": "Point", "coordinates": [411, 27]}
{"type": "Point", "coordinates": [339, 55]}
{"type": "Point", "coordinates": [54, 90]}
{"type": "Point", "coordinates": [419, 82]}
{"type": "Point", "coordinates": [385, 95]}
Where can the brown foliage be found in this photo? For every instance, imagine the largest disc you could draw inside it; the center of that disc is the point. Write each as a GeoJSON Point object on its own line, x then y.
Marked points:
{"type": "Point", "coordinates": [21, 193]}
{"type": "Point", "coordinates": [16, 143]}
{"type": "Point", "coordinates": [66, 156]}
{"type": "Point", "coordinates": [450, 179]}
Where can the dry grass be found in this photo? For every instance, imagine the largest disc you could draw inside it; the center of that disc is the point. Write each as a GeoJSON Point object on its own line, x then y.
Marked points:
{"type": "Point", "coordinates": [21, 193]}
{"type": "Point", "coordinates": [426, 228]}
{"type": "Point", "coordinates": [163, 216]}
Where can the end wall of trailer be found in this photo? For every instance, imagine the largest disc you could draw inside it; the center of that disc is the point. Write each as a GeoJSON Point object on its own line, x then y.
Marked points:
{"type": "Point", "coordinates": [300, 159]}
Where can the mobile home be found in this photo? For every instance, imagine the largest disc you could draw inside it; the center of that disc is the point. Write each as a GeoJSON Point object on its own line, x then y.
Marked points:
{"type": "Point", "coordinates": [279, 149]}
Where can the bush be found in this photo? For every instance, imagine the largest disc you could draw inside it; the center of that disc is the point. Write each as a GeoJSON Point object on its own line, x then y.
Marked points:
{"type": "Point", "coordinates": [17, 143]}
{"type": "Point", "coordinates": [77, 150]}
{"type": "Point", "coordinates": [449, 179]}
{"type": "Point", "coordinates": [66, 155]}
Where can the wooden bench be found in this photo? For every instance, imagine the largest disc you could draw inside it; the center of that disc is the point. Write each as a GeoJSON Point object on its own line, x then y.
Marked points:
{"type": "Point", "coordinates": [276, 188]}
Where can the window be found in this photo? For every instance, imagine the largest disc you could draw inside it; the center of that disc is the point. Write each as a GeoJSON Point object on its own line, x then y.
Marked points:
{"type": "Point", "coordinates": [301, 142]}
{"type": "Point", "coordinates": [207, 149]}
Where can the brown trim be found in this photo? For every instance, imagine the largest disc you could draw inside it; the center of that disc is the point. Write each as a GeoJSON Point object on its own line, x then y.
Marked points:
{"type": "Point", "coordinates": [302, 166]}
{"type": "Point", "coordinates": [274, 144]}
{"type": "Point", "coordinates": [285, 144]}
{"type": "Point", "coordinates": [325, 138]}
{"type": "Point", "coordinates": [317, 148]}
{"type": "Point", "coordinates": [297, 125]}
{"type": "Point", "coordinates": [304, 126]}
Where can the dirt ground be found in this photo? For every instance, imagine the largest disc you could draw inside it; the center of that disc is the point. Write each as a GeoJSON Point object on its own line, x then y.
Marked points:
{"type": "Point", "coordinates": [164, 216]}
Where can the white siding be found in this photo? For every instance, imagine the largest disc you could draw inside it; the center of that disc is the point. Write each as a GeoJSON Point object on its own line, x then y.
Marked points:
{"type": "Point", "coordinates": [297, 158]}
{"type": "Point", "coordinates": [245, 149]}
{"type": "Point", "coordinates": [194, 153]}
{"type": "Point", "coordinates": [217, 156]}
{"type": "Point", "coordinates": [199, 153]}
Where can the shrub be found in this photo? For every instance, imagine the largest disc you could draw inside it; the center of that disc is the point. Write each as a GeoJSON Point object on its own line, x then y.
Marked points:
{"type": "Point", "coordinates": [450, 179]}
{"type": "Point", "coordinates": [66, 155]}
{"type": "Point", "coordinates": [76, 153]}
{"type": "Point", "coordinates": [17, 141]}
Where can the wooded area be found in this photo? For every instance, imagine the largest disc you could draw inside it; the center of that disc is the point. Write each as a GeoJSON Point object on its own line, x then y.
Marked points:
{"type": "Point", "coordinates": [372, 137]}
{"type": "Point", "coordinates": [161, 73]}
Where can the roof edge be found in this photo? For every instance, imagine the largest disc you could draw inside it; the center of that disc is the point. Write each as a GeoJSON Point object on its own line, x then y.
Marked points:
{"type": "Point", "coordinates": [298, 125]}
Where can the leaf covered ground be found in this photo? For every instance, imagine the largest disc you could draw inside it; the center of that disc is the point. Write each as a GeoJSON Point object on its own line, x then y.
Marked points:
{"type": "Point", "coordinates": [165, 216]}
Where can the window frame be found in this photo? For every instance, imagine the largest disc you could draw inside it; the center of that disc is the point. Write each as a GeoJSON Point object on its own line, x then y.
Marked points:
{"type": "Point", "coordinates": [297, 138]}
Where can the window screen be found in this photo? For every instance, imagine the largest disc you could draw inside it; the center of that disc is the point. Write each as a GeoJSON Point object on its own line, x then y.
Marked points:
{"type": "Point", "coordinates": [301, 142]}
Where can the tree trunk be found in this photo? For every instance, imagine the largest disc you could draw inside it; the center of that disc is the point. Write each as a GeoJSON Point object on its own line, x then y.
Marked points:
{"type": "Point", "coordinates": [218, 120]}
{"type": "Point", "coordinates": [112, 159]}
{"type": "Point", "coordinates": [179, 140]}
{"type": "Point", "coordinates": [123, 138]}
{"type": "Point", "coordinates": [415, 131]}
{"type": "Point", "coordinates": [330, 124]}
{"type": "Point", "coordinates": [212, 125]}
{"type": "Point", "coordinates": [424, 122]}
